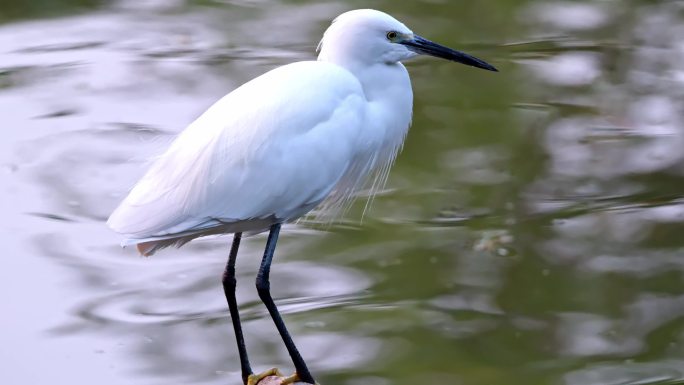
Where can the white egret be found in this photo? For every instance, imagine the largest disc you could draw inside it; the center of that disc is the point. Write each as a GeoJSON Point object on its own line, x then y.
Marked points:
{"type": "Point", "coordinates": [301, 135]}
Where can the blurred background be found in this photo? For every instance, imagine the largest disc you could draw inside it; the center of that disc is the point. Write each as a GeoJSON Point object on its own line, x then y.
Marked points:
{"type": "Point", "coordinates": [531, 231]}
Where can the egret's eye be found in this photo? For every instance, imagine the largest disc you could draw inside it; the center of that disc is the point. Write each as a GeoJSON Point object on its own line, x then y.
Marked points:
{"type": "Point", "coordinates": [391, 35]}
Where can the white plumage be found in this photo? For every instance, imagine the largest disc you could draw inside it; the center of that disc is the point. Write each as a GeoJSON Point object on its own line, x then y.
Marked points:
{"type": "Point", "coordinates": [279, 145]}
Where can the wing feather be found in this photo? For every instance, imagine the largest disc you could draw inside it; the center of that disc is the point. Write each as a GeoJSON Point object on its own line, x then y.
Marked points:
{"type": "Point", "coordinates": [275, 147]}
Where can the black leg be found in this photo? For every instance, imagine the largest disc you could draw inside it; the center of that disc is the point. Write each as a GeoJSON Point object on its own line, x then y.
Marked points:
{"type": "Point", "coordinates": [263, 287]}
{"type": "Point", "coordinates": [229, 286]}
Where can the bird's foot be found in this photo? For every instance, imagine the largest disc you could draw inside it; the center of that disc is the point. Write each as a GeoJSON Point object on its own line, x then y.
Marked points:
{"type": "Point", "coordinates": [291, 380]}
{"type": "Point", "coordinates": [273, 377]}
{"type": "Point", "coordinates": [254, 379]}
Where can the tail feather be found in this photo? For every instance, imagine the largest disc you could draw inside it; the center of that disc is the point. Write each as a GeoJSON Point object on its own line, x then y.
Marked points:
{"type": "Point", "coordinates": [146, 249]}
{"type": "Point", "coordinates": [149, 246]}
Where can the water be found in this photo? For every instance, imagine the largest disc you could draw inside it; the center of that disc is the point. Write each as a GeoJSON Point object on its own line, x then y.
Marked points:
{"type": "Point", "coordinates": [531, 232]}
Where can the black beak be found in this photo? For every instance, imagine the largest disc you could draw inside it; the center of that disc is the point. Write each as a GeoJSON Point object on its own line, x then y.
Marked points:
{"type": "Point", "coordinates": [426, 47]}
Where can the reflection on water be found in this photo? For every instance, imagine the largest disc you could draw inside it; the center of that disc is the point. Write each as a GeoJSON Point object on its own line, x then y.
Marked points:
{"type": "Point", "coordinates": [530, 234]}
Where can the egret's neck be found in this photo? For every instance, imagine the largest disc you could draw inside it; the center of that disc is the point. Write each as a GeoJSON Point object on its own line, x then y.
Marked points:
{"type": "Point", "coordinates": [380, 81]}
{"type": "Point", "coordinates": [387, 88]}
{"type": "Point", "coordinates": [386, 83]}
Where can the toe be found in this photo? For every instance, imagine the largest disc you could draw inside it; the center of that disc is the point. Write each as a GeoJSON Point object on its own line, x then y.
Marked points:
{"type": "Point", "coordinates": [255, 379]}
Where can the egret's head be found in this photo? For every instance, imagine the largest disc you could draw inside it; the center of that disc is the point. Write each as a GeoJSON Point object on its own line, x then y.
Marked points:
{"type": "Point", "coordinates": [367, 36]}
